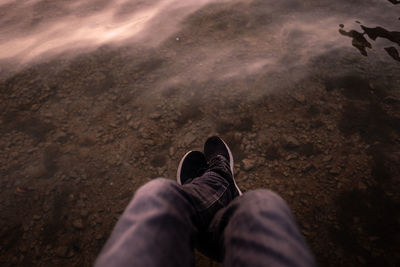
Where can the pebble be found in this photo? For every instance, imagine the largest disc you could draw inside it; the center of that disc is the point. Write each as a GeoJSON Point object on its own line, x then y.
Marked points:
{"type": "Point", "coordinates": [327, 158]}
{"type": "Point", "coordinates": [291, 156]}
{"type": "Point", "coordinates": [77, 224]}
{"type": "Point", "coordinates": [307, 167]}
{"type": "Point", "coordinates": [84, 213]}
{"type": "Point", "coordinates": [134, 124]}
{"type": "Point", "coordinates": [248, 164]}
{"type": "Point", "coordinates": [334, 171]}
{"type": "Point", "coordinates": [171, 151]}
{"type": "Point", "coordinates": [46, 207]}
{"type": "Point", "coordinates": [98, 236]}
{"type": "Point", "coordinates": [300, 98]}
{"type": "Point", "coordinates": [64, 252]}
{"type": "Point", "coordinates": [155, 116]}
{"type": "Point", "coordinates": [36, 171]}
{"type": "Point", "coordinates": [60, 136]}
{"type": "Point", "coordinates": [362, 186]}
{"type": "Point", "coordinates": [189, 138]}
{"type": "Point", "coordinates": [144, 134]}
{"type": "Point", "coordinates": [22, 248]}
{"type": "Point", "coordinates": [291, 142]}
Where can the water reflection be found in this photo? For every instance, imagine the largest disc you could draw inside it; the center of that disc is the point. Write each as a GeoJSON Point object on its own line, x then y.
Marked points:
{"type": "Point", "coordinates": [361, 43]}
{"type": "Point", "coordinates": [37, 30]}
{"type": "Point", "coordinates": [33, 29]}
{"type": "Point", "coordinates": [395, 2]}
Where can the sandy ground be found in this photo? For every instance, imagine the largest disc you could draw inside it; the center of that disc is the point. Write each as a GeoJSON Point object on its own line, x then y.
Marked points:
{"type": "Point", "coordinates": [315, 121]}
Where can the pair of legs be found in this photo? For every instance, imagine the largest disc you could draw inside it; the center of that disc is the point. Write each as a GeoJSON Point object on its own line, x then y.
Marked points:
{"type": "Point", "coordinates": [166, 220]}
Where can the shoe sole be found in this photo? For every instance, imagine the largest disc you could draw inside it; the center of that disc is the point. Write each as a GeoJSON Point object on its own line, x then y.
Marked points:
{"type": "Point", "coordinates": [178, 172]}
{"type": "Point", "coordinates": [231, 164]}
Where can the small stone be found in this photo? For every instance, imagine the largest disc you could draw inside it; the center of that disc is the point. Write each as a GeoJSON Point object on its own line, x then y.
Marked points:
{"type": "Point", "coordinates": [37, 217]}
{"type": "Point", "coordinates": [60, 136]}
{"type": "Point", "coordinates": [171, 151]}
{"type": "Point", "coordinates": [22, 248]}
{"type": "Point", "coordinates": [327, 158]}
{"type": "Point", "coordinates": [64, 252]}
{"type": "Point", "coordinates": [36, 171]}
{"type": "Point", "coordinates": [84, 213]}
{"type": "Point", "coordinates": [331, 127]}
{"type": "Point", "coordinates": [155, 116]}
{"type": "Point", "coordinates": [252, 136]}
{"type": "Point", "coordinates": [307, 167]}
{"type": "Point", "coordinates": [248, 164]}
{"type": "Point", "coordinates": [134, 124]}
{"type": "Point", "coordinates": [300, 98]}
{"type": "Point", "coordinates": [98, 236]}
{"type": "Point", "coordinates": [291, 156]}
{"type": "Point", "coordinates": [144, 134]}
{"type": "Point", "coordinates": [335, 171]}
{"type": "Point", "coordinates": [77, 224]}
{"type": "Point", "coordinates": [128, 117]}
{"type": "Point", "coordinates": [46, 207]}
{"type": "Point", "coordinates": [362, 186]}
{"type": "Point", "coordinates": [291, 142]}
{"type": "Point", "coordinates": [189, 138]}
{"type": "Point", "coordinates": [391, 100]}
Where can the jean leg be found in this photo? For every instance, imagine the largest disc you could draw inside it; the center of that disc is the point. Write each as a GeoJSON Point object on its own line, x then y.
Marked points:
{"type": "Point", "coordinates": [208, 194]}
{"type": "Point", "coordinates": [156, 229]}
{"type": "Point", "coordinates": [258, 229]}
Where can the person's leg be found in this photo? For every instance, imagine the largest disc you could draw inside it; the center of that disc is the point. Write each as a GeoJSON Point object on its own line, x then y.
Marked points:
{"type": "Point", "coordinates": [159, 226]}
{"type": "Point", "coordinates": [258, 229]}
{"type": "Point", "coordinates": [155, 229]}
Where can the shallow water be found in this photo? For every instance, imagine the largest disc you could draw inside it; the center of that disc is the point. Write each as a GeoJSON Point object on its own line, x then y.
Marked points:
{"type": "Point", "coordinates": [236, 37]}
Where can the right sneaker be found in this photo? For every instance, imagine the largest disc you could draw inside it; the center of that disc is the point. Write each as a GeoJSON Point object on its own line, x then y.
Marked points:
{"type": "Point", "coordinates": [215, 146]}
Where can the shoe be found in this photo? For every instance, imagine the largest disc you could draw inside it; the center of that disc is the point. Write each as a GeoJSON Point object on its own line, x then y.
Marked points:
{"type": "Point", "coordinates": [215, 146]}
{"type": "Point", "coordinates": [192, 165]}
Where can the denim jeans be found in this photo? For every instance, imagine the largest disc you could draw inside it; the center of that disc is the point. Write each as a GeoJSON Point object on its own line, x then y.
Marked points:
{"type": "Point", "coordinates": [165, 221]}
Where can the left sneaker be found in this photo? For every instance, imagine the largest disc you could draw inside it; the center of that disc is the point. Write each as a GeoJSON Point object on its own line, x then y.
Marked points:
{"type": "Point", "coordinates": [192, 165]}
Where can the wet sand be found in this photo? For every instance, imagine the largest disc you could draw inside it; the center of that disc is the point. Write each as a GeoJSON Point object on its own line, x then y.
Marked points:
{"type": "Point", "coordinates": [98, 98]}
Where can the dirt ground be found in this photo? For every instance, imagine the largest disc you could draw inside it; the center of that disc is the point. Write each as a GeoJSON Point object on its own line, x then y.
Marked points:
{"type": "Point", "coordinates": [79, 135]}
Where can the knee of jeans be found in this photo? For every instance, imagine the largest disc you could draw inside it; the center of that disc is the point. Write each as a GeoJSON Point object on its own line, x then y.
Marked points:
{"type": "Point", "coordinates": [262, 199]}
{"type": "Point", "coordinates": [156, 187]}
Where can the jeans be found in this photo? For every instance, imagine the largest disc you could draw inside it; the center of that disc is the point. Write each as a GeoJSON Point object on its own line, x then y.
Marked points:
{"type": "Point", "coordinates": [165, 221]}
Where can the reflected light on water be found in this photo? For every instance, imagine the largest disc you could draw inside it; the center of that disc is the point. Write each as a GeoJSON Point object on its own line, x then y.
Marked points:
{"type": "Point", "coordinates": [109, 25]}
{"type": "Point", "coordinates": [237, 38]}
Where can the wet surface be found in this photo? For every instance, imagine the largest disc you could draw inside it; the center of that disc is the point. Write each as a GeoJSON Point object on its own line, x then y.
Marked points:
{"type": "Point", "coordinates": [99, 97]}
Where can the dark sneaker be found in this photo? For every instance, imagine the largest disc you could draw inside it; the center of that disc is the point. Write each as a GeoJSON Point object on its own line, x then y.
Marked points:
{"type": "Point", "coordinates": [215, 146]}
{"type": "Point", "coordinates": [192, 165]}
